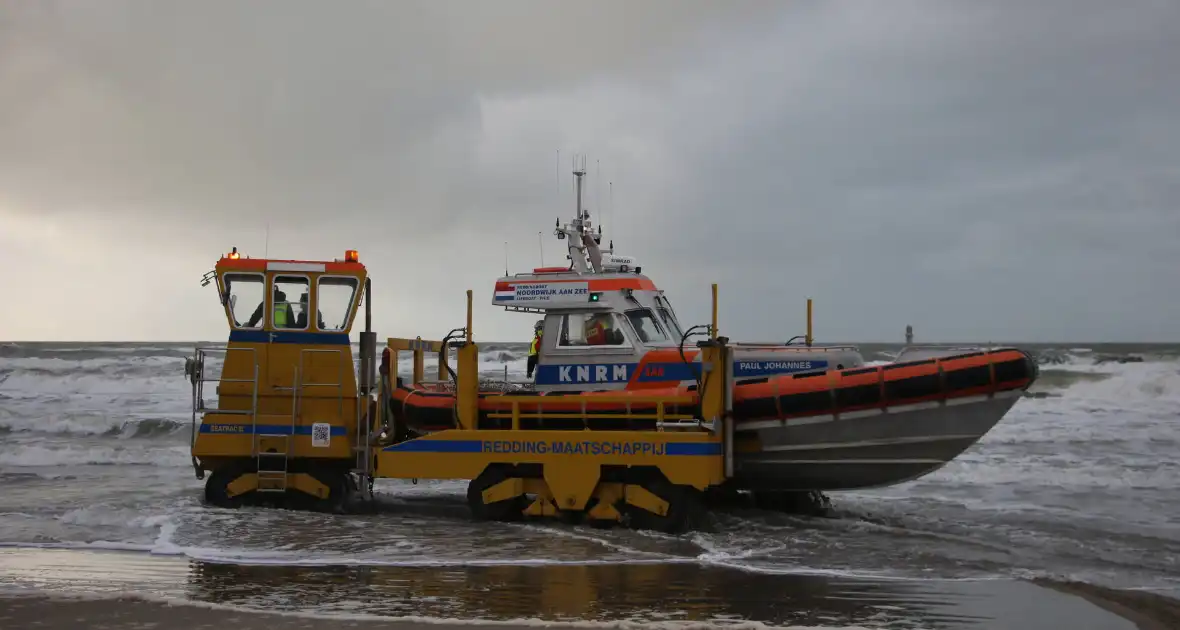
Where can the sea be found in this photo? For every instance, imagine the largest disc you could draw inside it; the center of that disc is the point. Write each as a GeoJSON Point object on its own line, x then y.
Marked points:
{"type": "Point", "coordinates": [1080, 481]}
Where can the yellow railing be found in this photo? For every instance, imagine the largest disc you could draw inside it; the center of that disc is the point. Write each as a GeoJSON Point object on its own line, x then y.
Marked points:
{"type": "Point", "coordinates": [419, 347]}
{"type": "Point", "coordinates": [661, 402]}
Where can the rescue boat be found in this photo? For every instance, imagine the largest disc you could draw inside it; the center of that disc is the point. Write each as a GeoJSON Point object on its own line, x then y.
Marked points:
{"type": "Point", "coordinates": [807, 417]}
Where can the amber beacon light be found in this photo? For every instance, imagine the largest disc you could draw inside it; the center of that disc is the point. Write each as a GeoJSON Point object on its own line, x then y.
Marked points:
{"type": "Point", "coordinates": [350, 255]}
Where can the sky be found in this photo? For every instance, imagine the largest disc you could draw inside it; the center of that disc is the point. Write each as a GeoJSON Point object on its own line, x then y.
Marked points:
{"type": "Point", "coordinates": [1000, 171]}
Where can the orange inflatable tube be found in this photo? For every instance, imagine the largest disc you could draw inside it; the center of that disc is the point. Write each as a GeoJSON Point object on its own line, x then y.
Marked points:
{"type": "Point", "coordinates": [776, 397]}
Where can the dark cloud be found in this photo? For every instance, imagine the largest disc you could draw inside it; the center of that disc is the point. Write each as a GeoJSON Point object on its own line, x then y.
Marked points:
{"type": "Point", "coordinates": [980, 170]}
{"type": "Point", "coordinates": [213, 109]}
{"type": "Point", "coordinates": [968, 171]}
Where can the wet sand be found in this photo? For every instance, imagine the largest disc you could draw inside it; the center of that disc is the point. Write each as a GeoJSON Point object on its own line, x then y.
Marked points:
{"type": "Point", "coordinates": [1148, 611]}
{"type": "Point", "coordinates": [1141, 610]}
{"type": "Point", "coordinates": [66, 589]}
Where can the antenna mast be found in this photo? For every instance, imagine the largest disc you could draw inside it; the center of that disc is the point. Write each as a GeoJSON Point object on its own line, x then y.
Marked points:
{"type": "Point", "coordinates": [582, 245]}
{"type": "Point", "coordinates": [598, 192]}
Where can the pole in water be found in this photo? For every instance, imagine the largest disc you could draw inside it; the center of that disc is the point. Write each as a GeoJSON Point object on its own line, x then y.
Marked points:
{"type": "Point", "coordinates": [909, 334]}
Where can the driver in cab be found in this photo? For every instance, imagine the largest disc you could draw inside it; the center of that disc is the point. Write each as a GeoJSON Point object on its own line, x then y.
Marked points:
{"type": "Point", "coordinates": [284, 315]}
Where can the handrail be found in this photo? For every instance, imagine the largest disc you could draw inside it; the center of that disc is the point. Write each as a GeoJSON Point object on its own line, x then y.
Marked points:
{"type": "Point", "coordinates": [339, 384]}
{"type": "Point", "coordinates": [660, 416]}
{"type": "Point", "coordinates": [417, 343]}
{"type": "Point", "coordinates": [781, 346]}
{"type": "Point", "coordinates": [418, 347]}
{"type": "Point", "coordinates": [675, 399]}
{"type": "Point", "coordinates": [198, 379]}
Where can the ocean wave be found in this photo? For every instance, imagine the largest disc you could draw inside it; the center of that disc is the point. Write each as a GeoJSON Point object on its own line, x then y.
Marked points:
{"type": "Point", "coordinates": [138, 428]}
{"type": "Point", "coordinates": [36, 456]}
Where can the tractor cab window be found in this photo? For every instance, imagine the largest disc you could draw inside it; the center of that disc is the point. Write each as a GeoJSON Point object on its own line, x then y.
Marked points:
{"type": "Point", "coordinates": [243, 296]}
{"type": "Point", "coordinates": [581, 330]}
{"type": "Point", "coordinates": [336, 297]}
{"type": "Point", "coordinates": [289, 310]}
{"type": "Point", "coordinates": [645, 326]}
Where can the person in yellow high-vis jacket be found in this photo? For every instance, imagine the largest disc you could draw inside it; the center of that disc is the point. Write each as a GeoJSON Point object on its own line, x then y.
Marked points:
{"type": "Point", "coordinates": [535, 347]}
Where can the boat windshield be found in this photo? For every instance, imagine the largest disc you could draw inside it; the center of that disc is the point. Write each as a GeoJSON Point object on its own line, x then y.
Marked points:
{"type": "Point", "coordinates": [670, 323]}
{"type": "Point", "coordinates": [645, 326]}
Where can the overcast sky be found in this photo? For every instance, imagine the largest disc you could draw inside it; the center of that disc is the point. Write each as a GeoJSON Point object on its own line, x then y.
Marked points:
{"type": "Point", "coordinates": [1005, 170]}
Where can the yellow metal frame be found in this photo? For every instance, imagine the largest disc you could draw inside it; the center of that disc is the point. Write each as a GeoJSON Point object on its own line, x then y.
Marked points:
{"type": "Point", "coordinates": [571, 461]}
{"type": "Point", "coordinates": [661, 402]}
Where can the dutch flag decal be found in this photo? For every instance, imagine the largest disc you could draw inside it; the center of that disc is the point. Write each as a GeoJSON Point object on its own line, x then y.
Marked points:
{"type": "Point", "coordinates": [504, 293]}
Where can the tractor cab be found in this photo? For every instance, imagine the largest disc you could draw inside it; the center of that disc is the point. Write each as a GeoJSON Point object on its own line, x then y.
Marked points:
{"type": "Point", "coordinates": [295, 314]}
{"type": "Point", "coordinates": [288, 383]}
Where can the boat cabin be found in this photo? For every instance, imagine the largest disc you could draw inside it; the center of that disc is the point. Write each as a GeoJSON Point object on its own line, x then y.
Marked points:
{"type": "Point", "coordinates": [607, 326]}
{"type": "Point", "coordinates": [596, 328]}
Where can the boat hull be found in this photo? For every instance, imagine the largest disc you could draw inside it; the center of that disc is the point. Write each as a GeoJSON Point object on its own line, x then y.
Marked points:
{"type": "Point", "coordinates": [850, 429]}
{"type": "Point", "coordinates": [862, 449]}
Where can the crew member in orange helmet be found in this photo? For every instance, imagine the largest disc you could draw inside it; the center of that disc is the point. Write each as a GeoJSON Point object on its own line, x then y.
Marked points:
{"type": "Point", "coordinates": [597, 329]}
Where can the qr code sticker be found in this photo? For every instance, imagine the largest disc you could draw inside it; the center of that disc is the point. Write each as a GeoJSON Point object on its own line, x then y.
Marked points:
{"type": "Point", "coordinates": [321, 434]}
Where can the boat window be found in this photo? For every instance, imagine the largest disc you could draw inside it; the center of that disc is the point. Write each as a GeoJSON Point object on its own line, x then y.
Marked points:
{"type": "Point", "coordinates": [290, 302]}
{"type": "Point", "coordinates": [244, 293]}
{"type": "Point", "coordinates": [581, 330]}
{"type": "Point", "coordinates": [336, 295]}
{"type": "Point", "coordinates": [645, 326]}
{"type": "Point", "coordinates": [670, 323]}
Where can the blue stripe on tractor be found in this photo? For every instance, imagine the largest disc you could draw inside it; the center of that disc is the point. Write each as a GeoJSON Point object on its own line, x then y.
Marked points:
{"type": "Point", "coordinates": [295, 337]}
{"type": "Point", "coordinates": [230, 428]}
{"type": "Point", "coordinates": [437, 446]}
{"type": "Point", "coordinates": [694, 448]}
{"type": "Point", "coordinates": [512, 446]}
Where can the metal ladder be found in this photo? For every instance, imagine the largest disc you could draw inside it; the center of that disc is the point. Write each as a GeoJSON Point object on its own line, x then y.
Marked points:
{"type": "Point", "coordinates": [272, 451]}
